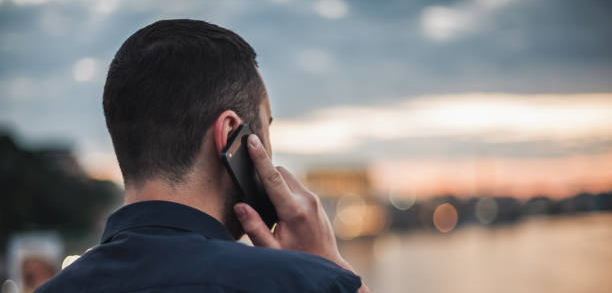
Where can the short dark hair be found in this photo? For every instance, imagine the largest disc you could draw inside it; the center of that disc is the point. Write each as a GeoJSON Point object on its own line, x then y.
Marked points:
{"type": "Point", "coordinates": [165, 87]}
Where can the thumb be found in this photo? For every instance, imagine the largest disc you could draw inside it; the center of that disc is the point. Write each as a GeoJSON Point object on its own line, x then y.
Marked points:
{"type": "Point", "coordinates": [254, 226]}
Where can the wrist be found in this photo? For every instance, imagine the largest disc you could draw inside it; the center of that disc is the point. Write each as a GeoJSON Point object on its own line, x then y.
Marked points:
{"type": "Point", "coordinates": [341, 262]}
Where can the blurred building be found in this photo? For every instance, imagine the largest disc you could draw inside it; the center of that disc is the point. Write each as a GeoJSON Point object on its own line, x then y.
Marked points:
{"type": "Point", "coordinates": [339, 182]}
{"type": "Point", "coordinates": [349, 199]}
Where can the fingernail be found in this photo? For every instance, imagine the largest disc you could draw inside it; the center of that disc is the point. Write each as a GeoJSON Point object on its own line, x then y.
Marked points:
{"type": "Point", "coordinates": [241, 212]}
{"type": "Point", "coordinates": [254, 140]}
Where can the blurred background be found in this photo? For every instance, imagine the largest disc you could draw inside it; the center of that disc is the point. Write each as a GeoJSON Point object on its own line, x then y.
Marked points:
{"type": "Point", "coordinates": [457, 145]}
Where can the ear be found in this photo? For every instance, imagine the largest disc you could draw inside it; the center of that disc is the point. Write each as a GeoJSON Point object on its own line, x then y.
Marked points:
{"type": "Point", "coordinates": [226, 122]}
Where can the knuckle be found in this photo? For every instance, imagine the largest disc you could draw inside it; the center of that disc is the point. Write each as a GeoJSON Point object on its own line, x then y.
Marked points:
{"type": "Point", "coordinates": [307, 206]}
{"type": "Point", "coordinates": [260, 154]}
{"type": "Point", "coordinates": [300, 214]}
{"type": "Point", "coordinates": [274, 177]}
{"type": "Point", "coordinates": [312, 199]}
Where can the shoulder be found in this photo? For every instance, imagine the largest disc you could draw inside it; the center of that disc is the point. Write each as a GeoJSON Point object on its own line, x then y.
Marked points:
{"type": "Point", "coordinates": [293, 271]}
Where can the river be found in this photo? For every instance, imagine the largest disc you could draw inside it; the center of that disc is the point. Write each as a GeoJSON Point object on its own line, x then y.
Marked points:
{"type": "Point", "coordinates": [540, 254]}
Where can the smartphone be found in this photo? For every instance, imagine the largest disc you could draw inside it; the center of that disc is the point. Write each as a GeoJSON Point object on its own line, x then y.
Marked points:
{"type": "Point", "coordinates": [237, 161]}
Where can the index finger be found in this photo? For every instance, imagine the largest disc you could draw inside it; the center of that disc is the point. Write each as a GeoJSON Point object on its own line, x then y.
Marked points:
{"type": "Point", "coordinates": [272, 179]}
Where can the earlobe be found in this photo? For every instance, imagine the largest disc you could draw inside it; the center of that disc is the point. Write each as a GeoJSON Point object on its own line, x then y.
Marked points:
{"type": "Point", "coordinates": [225, 123]}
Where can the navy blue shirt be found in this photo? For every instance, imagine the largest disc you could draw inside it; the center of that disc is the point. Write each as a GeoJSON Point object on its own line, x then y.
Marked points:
{"type": "Point", "coordinates": [159, 246]}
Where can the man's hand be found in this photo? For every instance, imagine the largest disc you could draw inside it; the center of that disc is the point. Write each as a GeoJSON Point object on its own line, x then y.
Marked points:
{"type": "Point", "coordinates": [302, 222]}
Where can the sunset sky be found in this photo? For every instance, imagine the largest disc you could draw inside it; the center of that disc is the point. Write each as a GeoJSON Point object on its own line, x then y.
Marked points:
{"type": "Point", "coordinates": [465, 144]}
{"type": "Point", "coordinates": [470, 97]}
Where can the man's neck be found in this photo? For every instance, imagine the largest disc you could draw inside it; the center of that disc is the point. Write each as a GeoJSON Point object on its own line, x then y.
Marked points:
{"type": "Point", "coordinates": [187, 193]}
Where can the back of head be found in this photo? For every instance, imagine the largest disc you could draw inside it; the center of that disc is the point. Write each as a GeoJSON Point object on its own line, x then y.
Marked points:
{"type": "Point", "coordinates": [165, 87]}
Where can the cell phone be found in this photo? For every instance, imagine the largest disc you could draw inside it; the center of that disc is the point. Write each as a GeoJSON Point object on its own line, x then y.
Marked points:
{"type": "Point", "coordinates": [237, 161]}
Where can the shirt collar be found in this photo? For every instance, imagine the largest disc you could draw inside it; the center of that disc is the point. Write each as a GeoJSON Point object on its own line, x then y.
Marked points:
{"type": "Point", "coordinates": [164, 214]}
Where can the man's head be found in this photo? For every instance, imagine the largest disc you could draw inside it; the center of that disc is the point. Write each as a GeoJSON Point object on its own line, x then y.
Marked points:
{"type": "Point", "coordinates": [171, 84]}
{"type": "Point", "coordinates": [174, 93]}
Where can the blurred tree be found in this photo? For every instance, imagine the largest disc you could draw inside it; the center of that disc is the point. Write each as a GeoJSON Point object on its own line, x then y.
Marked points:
{"type": "Point", "coordinates": [48, 190]}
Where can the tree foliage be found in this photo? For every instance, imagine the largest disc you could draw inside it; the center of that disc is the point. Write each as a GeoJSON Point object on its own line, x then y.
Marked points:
{"type": "Point", "coordinates": [47, 190]}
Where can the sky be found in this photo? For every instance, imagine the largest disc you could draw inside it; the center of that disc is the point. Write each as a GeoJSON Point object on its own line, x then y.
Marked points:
{"type": "Point", "coordinates": [469, 97]}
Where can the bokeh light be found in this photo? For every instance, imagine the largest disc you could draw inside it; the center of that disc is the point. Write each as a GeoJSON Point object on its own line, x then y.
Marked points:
{"type": "Point", "coordinates": [84, 69]}
{"type": "Point", "coordinates": [445, 217]}
{"type": "Point", "coordinates": [355, 217]}
{"type": "Point", "coordinates": [401, 202]}
{"type": "Point", "coordinates": [486, 210]}
{"type": "Point", "coordinates": [349, 216]}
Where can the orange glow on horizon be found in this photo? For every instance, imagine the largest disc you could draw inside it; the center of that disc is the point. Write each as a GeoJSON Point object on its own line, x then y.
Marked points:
{"type": "Point", "coordinates": [102, 166]}
{"type": "Point", "coordinates": [490, 176]}
{"type": "Point", "coordinates": [493, 176]}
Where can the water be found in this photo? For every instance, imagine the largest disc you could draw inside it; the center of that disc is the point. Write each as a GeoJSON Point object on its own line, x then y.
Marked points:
{"type": "Point", "coordinates": [556, 254]}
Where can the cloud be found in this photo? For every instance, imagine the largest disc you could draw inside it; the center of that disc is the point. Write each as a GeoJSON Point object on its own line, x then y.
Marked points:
{"type": "Point", "coordinates": [314, 60]}
{"type": "Point", "coordinates": [54, 22]}
{"type": "Point", "coordinates": [85, 69]}
{"type": "Point", "coordinates": [105, 6]}
{"type": "Point", "coordinates": [31, 2]}
{"type": "Point", "coordinates": [490, 118]}
{"type": "Point", "coordinates": [331, 8]}
{"type": "Point", "coordinates": [18, 88]}
{"type": "Point", "coordinates": [444, 23]}
{"type": "Point", "coordinates": [29, 89]}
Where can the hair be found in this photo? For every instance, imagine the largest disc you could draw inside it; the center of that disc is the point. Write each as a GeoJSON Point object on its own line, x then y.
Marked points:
{"type": "Point", "coordinates": [166, 86]}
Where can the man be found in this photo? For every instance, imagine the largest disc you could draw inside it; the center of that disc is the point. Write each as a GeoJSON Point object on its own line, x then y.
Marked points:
{"type": "Point", "coordinates": [174, 93]}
